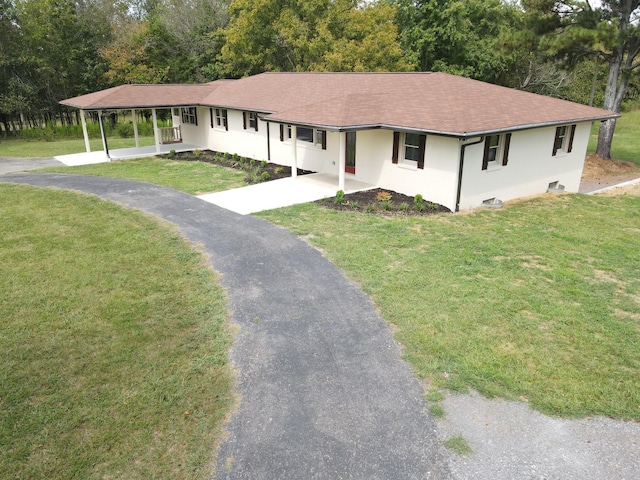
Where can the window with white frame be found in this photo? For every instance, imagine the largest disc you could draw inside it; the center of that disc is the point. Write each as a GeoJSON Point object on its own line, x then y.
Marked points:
{"type": "Point", "coordinates": [250, 120]}
{"type": "Point", "coordinates": [314, 136]}
{"type": "Point", "coordinates": [189, 115]}
{"type": "Point", "coordinates": [563, 141]}
{"type": "Point", "coordinates": [496, 150]}
{"type": "Point", "coordinates": [222, 120]}
{"type": "Point", "coordinates": [409, 149]}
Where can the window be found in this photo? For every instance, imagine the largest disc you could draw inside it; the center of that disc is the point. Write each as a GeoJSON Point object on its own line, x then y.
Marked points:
{"type": "Point", "coordinates": [305, 134]}
{"type": "Point", "coordinates": [314, 136]}
{"type": "Point", "coordinates": [563, 141]}
{"type": "Point", "coordinates": [221, 118]}
{"type": "Point", "coordinates": [190, 115]}
{"type": "Point", "coordinates": [408, 149]}
{"type": "Point", "coordinates": [496, 150]}
{"type": "Point", "coordinates": [250, 120]}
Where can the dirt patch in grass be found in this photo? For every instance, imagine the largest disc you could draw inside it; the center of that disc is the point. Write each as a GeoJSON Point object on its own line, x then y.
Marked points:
{"type": "Point", "coordinates": [600, 173]}
{"type": "Point", "coordinates": [384, 202]}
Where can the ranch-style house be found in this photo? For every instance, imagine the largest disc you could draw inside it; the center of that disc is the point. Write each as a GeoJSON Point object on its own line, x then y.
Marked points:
{"type": "Point", "coordinates": [458, 142]}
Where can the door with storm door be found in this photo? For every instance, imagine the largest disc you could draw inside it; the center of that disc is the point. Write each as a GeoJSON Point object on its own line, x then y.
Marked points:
{"type": "Point", "coordinates": [350, 163]}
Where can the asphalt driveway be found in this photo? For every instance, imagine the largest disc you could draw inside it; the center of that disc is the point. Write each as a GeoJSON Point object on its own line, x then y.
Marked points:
{"type": "Point", "coordinates": [324, 394]}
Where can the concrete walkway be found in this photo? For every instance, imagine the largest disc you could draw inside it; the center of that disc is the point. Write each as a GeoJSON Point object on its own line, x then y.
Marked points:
{"type": "Point", "coordinates": [323, 392]}
{"type": "Point", "coordinates": [280, 193]}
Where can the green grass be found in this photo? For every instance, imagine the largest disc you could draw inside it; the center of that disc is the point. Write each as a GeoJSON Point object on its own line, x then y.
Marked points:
{"type": "Point", "coordinates": [113, 343]}
{"type": "Point", "coordinates": [539, 300]}
{"type": "Point", "coordinates": [40, 149]}
{"type": "Point", "coordinates": [190, 177]}
{"type": "Point", "coordinates": [458, 444]}
{"type": "Point", "coordinates": [626, 139]}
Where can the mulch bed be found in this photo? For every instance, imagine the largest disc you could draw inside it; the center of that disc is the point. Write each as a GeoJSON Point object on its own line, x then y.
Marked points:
{"type": "Point", "coordinates": [383, 202]}
{"type": "Point", "coordinates": [255, 169]}
{"type": "Point", "coordinates": [377, 201]}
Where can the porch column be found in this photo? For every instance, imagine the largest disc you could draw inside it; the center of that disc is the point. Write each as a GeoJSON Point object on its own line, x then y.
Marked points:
{"type": "Point", "coordinates": [294, 151]}
{"type": "Point", "coordinates": [135, 127]}
{"type": "Point", "coordinates": [103, 134]}
{"type": "Point", "coordinates": [343, 160]}
{"type": "Point", "coordinates": [156, 133]}
{"type": "Point", "coordinates": [83, 120]}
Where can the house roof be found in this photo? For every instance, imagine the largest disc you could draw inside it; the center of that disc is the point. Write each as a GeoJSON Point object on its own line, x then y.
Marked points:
{"type": "Point", "coordinates": [428, 102]}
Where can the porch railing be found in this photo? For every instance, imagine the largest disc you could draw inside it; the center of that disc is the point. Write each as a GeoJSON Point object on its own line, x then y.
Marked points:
{"type": "Point", "coordinates": [170, 135]}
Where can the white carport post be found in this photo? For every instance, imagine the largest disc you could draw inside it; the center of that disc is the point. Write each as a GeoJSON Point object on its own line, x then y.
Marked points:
{"type": "Point", "coordinates": [135, 127]}
{"type": "Point", "coordinates": [156, 133]}
{"type": "Point", "coordinates": [83, 120]}
{"type": "Point", "coordinates": [343, 160]}
{"type": "Point", "coordinates": [294, 151]}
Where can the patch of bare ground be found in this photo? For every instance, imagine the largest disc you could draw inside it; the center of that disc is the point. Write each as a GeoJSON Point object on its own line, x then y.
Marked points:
{"type": "Point", "coordinates": [601, 173]}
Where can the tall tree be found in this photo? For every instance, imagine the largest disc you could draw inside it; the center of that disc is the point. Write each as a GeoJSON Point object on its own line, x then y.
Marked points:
{"type": "Point", "coordinates": [458, 36]}
{"type": "Point", "coordinates": [302, 35]}
{"type": "Point", "coordinates": [609, 29]}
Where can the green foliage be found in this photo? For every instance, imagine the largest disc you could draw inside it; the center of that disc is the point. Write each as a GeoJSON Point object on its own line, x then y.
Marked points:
{"type": "Point", "coordinates": [125, 130]}
{"type": "Point", "coordinates": [457, 36]}
{"type": "Point", "coordinates": [418, 202]}
{"type": "Point", "coordinates": [339, 200]}
{"type": "Point", "coordinates": [305, 35]}
{"type": "Point", "coordinates": [265, 177]}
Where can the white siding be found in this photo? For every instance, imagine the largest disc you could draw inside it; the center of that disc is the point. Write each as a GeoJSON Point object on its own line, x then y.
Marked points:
{"type": "Point", "coordinates": [530, 170]}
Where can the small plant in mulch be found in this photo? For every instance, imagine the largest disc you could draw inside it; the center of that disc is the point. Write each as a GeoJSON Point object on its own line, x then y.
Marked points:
{"type": "Point", "coordinates": [382, 202]}
{"type": "Point", "coordinates": [257, 171]}
{"type": "Point", "coordinates": [383, 196]}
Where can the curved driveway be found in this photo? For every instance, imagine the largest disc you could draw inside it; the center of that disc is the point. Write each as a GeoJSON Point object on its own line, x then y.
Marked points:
{"type": "Point", "coordinates": [324, 394]}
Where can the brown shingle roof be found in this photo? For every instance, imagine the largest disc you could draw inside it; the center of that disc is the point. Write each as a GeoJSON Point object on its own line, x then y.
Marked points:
{"type": "Point", "coordinates": [430, 102]}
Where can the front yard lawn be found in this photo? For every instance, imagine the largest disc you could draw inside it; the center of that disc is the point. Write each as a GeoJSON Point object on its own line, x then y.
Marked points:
{"type": "Point", "coordinates": [539, 301]}
{"type": "Point", "coordinates": [113, 343]}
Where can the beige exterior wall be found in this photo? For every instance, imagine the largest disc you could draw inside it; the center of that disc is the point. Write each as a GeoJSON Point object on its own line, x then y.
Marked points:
{"type": "Point", "coordinates": [530, 170]}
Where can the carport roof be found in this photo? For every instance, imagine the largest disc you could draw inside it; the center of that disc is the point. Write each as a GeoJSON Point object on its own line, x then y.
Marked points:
{"type": "Point", "coordinates": [426, 101]}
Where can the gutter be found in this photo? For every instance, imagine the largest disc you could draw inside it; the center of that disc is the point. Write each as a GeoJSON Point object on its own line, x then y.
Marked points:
{"type": "Point", "coordinates": [460, 168]}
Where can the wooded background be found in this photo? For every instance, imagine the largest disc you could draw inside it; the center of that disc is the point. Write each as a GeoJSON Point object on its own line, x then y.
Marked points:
{"type": "Point", "coordinates": [585, 51]}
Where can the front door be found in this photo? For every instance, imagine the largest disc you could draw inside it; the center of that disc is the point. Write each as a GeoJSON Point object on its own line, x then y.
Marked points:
{"type": "Point", "coordinates": [350, 164]}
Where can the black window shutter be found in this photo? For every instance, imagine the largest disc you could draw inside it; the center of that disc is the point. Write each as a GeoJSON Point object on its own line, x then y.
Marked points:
{"type": "Point", "coordinates": [573, 131]}
{"type": "Point", "coordinates": [487, 145]}
{"type": "Point", "coordinates": [255, 116]}
{"type": "Point", "coordinates": [324, 139]}
{"type": "Point", "coordinates": [421, 147]}
{"type": "Point", "coordinates": [555, 141]}
{"type": "Point", "coordinates": [281, 132]}
{"type": "Point", "coordinates": [195, 115]}
{"type": "Point", "coordinates": [225, 120]}
{"type": "Point", "coordinates": [211, 116]}
{"type": "Point", "coordinates": [505, 151]}
{"type": "Point", "coordinates": [396, 146]}
{"type": "Point", "coordinates": [244, 120]}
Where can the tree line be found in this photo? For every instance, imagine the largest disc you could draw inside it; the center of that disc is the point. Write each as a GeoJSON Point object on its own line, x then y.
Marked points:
{"type": "Point", "coordinates": [582, 50]}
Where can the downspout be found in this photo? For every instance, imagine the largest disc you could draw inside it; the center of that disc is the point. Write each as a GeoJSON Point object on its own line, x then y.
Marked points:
{"type": "Point", "coordinates": [460, 168]}
{"type": "Point", "coordinates": [268, 143]}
